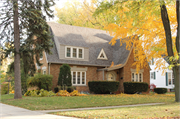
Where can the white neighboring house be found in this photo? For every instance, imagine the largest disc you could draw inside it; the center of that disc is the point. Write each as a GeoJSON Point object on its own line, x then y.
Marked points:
{"type": "Point", "coordinates": [165, 80]}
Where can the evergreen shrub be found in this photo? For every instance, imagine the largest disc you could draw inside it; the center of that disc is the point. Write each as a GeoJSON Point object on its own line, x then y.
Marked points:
{"type": "Point", "coordinates": [65, 76]}
{"type": "Point", "coordinates": [103, 87]}
{"type": "Point", "coordinates": [160, 90]}
{"type": "Point", "coordinates": [42, 81]}
{"type": "Point", "coordinates": [135, 87]}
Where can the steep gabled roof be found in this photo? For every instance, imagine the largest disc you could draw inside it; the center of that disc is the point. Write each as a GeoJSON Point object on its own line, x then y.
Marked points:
{"type": "Point", "coordinates": [93, 39]}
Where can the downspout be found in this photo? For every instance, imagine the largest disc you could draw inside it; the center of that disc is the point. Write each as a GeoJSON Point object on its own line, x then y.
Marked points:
{"type": "Point", "coordinates": [103, 75]}
{"type": "Point", "coordinates": [49, 68]}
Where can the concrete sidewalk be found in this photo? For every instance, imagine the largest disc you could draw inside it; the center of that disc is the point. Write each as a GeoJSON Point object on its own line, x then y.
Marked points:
{"type": "Point", "coordinates": [12, 112]}
{"type": "Point", "coordinates": [94, 108]}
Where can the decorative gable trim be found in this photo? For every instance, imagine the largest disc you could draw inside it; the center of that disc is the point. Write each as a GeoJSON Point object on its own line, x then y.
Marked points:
{"type": "Point", "coordinates": [102, 55]}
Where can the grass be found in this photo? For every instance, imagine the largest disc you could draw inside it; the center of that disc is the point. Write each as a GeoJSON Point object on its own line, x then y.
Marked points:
{"type": "Point", "coordinates": [59, 102]}
{"type": "Point", "coordinates": [167, 110]}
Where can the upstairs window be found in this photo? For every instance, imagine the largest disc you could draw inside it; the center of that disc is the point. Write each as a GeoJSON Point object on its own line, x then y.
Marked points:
{"type": "Point", "coordinates": [74, 52]}
{"type": "Point", "coordinates": [102, 55]}
{"type": "Point", "coordinates": [68, 52]}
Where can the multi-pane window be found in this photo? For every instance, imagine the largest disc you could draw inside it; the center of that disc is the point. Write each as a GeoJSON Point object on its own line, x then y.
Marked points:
{"type": "Point", "coordinates": [132, 77]}
{"type": "Point", "coordinates": [68, 52]}
{"type": "Point", "coordinates": [78, 77]}
{"type": "Point", "coordinates": [137, 77]}
{"type": "Point", "coordinates": [44, 71]}
{"type": "Point", "coordinates": [74, 52]}
{"type": "Point", "coordinates": [110, 77]}
{"type": "Point", "coordinates": [153, 75]}
{"type": "Point", "coordinates": [169, 78]}
{"type": "Point", "coordinates": [80, 53]}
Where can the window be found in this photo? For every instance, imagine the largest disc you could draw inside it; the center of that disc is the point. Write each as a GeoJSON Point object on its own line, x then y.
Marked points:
{"type": "Point", "coordinates": [110, 77]}
{"type": "Point", "coordinates": [78, 77]}
{"type": "Point", "coordinates": [74, 52]}
{"type": "Point", "coordinates": [137, 77]}
{"type": "Point", "coordinates": [44, 71]}
{"type": "Point", "coordinates": [80, 53]}
{"type": "Point", "coordinates": [153, 75]}
{"type": "Point", "coordinates": [169, 78]}
{"type": "Point", "coordinates": [68, 53]}
{"type": "Point", "coordinates": [102, 55]}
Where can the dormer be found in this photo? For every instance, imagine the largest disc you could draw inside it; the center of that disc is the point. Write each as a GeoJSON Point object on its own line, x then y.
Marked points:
{"type": "Point", "coordinates": [102, 55]}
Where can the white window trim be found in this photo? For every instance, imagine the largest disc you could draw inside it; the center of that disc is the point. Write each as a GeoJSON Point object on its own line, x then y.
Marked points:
{"type": "Point", "coordinates": [138, 76]}
{"type": "Point", "coordinates": [77, 52]}
{"type": "Point", "coordinates": [77, 78]}
{"type": "Point", "coordinates": [171, 77]}
{"type": "Point", "coordinates": [102, 52]}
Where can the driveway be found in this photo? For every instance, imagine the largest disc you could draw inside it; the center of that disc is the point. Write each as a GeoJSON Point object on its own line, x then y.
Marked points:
{"type": "Point", "coordinates": [12, 112]}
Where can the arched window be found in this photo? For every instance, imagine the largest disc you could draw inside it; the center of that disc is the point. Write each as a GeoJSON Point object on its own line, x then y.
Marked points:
{"type": "Point", "coordinates": [110, 77]}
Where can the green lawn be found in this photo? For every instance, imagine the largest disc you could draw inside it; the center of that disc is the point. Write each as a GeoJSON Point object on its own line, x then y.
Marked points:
{"type": "Point", "coordinates": [58, 102]}
{"type": "Point", "coordinates": [167, 110]}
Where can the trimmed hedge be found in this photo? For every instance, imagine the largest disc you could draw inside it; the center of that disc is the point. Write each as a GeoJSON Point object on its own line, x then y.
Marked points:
{"type": "Point", "coordinates": [42, 81]}
{"type": "Point", "coordinates": [103, 87]}
{"type": "Point", "coordinates": [135, 87]}
{"type": "Point", "coordinates": [160, 90]}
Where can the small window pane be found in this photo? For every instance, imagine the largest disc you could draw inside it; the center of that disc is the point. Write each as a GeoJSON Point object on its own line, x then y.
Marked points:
{"type": "Point", "coordinates": [80, 53]}
{"type": "Point", "coordinates": [74, 77]}
{"type": "Point", "coordinates": [74, 52]}
{"type": "Point", "coordinates": [169, 78]}
{"type": "Point", "coordinates": [83, 77]}
{"type": "Point", "coordinates": [140, 80]}
{"type": "Point", "coordinates": [152, 75]}
{"type": "Point", "coordinates": [110, 77]}
{"type": "Point", "coordinates": [136, 77]}
{"type": "Point", "coordinates": [133, 77]}
{"type": "Point", "coordinates": [68, 52]}
{"type": "Point", "coordinates": [78, 77]}
{"type": "Point", "coordinates": [102, 56]}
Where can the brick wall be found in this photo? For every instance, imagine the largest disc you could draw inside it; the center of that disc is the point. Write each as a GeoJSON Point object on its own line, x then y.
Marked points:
{"type": "Point", "coordinates": [127, 71]}
{"type": "Point", "coordinates": [91, 75]}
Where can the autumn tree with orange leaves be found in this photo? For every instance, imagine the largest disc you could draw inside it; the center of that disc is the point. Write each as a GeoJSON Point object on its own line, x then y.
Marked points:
{"type": "Point", "coordinates": [156, 23]}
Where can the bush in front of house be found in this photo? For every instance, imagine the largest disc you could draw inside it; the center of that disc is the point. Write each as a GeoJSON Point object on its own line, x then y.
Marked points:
{"type": "Point", "coordinates": [56, 89]}
{"type": "Point", "coordinates": [135, 87]}
{"type": "Point", "coordinates": [103, 87]}
{"type": "Point", "coordinates": [42, 81]}
{"type": "Point", "coordinates": [160, 90]}
{"type": "Point", "coordinates": [65, 76]}
{"type": "Point", "coordinates": [39, 93]}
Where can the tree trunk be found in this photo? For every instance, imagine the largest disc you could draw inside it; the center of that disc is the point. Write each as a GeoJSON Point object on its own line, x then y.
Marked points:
{"type": "Point", "coordinates": [17, 70]}
{"type": "Point", "coordinates": [177, 83]}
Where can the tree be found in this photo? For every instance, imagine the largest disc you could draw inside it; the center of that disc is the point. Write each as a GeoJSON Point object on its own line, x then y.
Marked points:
{"type": "Point", "coordinates": [81, 14]}
{"type": "Point", "coordinates": [64, 76]}
{"type": "Point", "coordinates": [24, 27]}
{"type": "Point", "coordinates": [157, 25]}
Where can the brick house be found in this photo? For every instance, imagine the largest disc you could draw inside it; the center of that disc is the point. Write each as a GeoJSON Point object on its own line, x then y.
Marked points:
{"type": "Point", "coordinates": [90, 57]}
